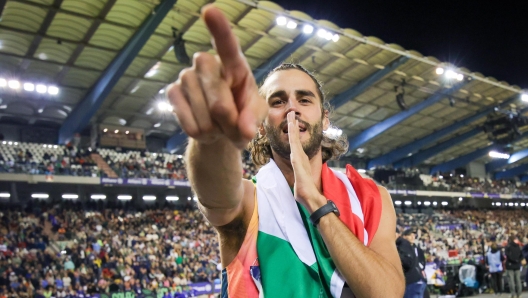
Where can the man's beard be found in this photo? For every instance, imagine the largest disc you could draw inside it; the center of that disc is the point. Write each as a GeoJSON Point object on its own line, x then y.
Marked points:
{"type": "Point", "coordinates": [310, 147]}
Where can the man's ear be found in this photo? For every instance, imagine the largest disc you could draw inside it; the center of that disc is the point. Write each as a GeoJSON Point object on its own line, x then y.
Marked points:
{"type": "Point", "coordinates": [261, 130]}
{"type": "Point", "coordinates": [326, 121]}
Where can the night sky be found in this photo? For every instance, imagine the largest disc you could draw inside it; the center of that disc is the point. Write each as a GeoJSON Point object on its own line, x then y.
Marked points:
{"type": "Point", "coordinates": [490, 39]}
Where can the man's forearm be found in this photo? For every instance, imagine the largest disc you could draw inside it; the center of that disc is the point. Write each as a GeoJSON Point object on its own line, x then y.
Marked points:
{"type": "Point", "coordinates": [367, 273]}
{"type": "Point", "coordinates": [215, 173]}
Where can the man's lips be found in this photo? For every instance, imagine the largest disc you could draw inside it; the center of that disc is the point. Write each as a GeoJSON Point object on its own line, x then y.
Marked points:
{"type": "Point", "coordinates": [302, 128]}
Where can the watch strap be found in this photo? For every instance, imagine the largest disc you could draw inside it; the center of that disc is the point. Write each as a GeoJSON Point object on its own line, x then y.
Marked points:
{"type": "Point", "coordinates": [329, 207]}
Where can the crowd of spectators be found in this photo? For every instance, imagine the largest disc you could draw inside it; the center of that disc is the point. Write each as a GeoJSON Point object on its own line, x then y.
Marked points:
{"type": "Point", "coordinates": [37, 159]}
{"type": "Point", "coordinates": [104, 251]}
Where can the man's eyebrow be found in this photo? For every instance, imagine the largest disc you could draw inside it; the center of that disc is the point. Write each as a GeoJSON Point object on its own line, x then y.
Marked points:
{"type": "Point", "coordinates": [280, 93]}
{"type": "Point", "coordinates": [300, 93]}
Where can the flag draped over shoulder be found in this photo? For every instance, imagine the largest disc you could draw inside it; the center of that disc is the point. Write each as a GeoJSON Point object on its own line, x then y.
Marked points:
{"type": "Point", "coordinates": [293, 258]}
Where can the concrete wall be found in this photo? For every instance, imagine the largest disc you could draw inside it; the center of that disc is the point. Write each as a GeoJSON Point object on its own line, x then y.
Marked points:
{"type": "Point", "coordinates": [476, 169]}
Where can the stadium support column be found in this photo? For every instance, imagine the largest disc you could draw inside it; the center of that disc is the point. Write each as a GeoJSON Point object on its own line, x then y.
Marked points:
{"type": "Point", "coordinates": [463, 160]}
{"type": "Point", "coordinates": [13, 199]}
{"type": "Point", "coordinates": [414, 146]}
{"type": "Point", "coordinates": [83, 112]}
{"type": "Point", "coordinates": [360, 87]}
{"type": "Point", "coordinates": [377, 129]}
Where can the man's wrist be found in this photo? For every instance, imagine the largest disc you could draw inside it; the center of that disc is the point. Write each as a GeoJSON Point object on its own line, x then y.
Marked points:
{"type": "Point", "coordinates": [315, 204]}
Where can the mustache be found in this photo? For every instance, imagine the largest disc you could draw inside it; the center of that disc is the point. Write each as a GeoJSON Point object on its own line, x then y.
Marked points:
{"type": "Point", "coordinates": [304, 123]}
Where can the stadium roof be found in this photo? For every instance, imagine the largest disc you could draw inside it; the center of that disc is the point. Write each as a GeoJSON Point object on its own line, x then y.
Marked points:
{"type": "Point", "coordinates": [70, 43]}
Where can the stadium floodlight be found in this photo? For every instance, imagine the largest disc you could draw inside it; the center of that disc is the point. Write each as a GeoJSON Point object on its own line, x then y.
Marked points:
{"type": "Point", "coordinates": [29, 87]}
{"type": "Point", "coordinates": [98, 197]}
{"type": "Point", "coordinates": [510, 204]}
{"type": "Point", "coordinates": [328, 35]}
{"type": "Point", "coordinates": [419, 202]}
{"type": "Point", "coordinates": [172, 198]}
{"type": "Point", "coordinates": [440, 71]}
{"type": "Point", "coordinates": [408, 203]}
{"type": "Point", "coordinates": [4, 142]}
{"type": "Point", "coordinates": [149, 198]}
{"type": "Point", "coordinates": [435, 203]}
{"type": "Point", "coordinates": [116, 131]}
{"type": "Point", "coordinates": [157, 124]}
{"type": "Point", "coordinates": [281, 21]}
{"type": "Point", "coordinates": [53, 90]}
{"type": "Point", "coordinates": [164, 106]}
{"type": "Point", "coordinates": [450, 74]}
{"type": "Point", "coordinates": [124, 197]}
{"type": "Point", "coordinates": [5, 195]}
{"type": "Point", "coordinates": [291, 25]}
{"type": "Point", "coordinates": [362, 171]}
{"type": "Point", "coordinates": [397, 203]}
{"type": "Point", "coordinates": [460, 77]}
{"type": "Point", "coordinates": [195, 198]}
{"type": "Point", "coordinates": [524, 96]}
{"type": "Point", "coordinates": [9, 143]}
{"type": "Point", "coordinates": [445, 203]}
{"type": "Point", "coordinates": [321, 33]}
{"type": "Point", "coordinates": [460, 199]}
{"type": "Point", "coordinates": [127, 132]}
{"type": "Point", "coordinates": [498, 204]}
{"type": "Point", "coordinates": [105, 130]}
{"type": "Point", "coordinates": [70, 196]}
{"type": "Point", "coordinates": [16, 143]}
{"type": "Point", "coordinates": [55, 146]}
{"type": "Point", "coordinates": [496, 154]}
{"type": "Point", "coordinates": [440, 177]}
{"type": "Point", "coordinates": [3, 83]}
{"type": "Point", "coordinates": [13, 84]}
{"type": "Point", "coordinates": [41, 88]}
{"type": "Point", "coordinates": [335, 37]}
{"type": "Point", "coordinates": [188, 198]}
{"type": "Point", "coordinates": [516, 204]}
{"type": "Point", "coordinates": [308, 29]}
{"type": "Point", "coordinates": [40, 195]}
{"type": "Point", "coordinates": [523, 204]}
{"type": "Point", "coordinates": [427, 203]}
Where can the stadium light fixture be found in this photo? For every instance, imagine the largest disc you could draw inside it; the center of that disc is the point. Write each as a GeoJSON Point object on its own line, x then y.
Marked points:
{"type": "Point", "coordinates": [445, 203]}
{"type": "Point", "coordinates": [419, 203]}
{"type": "Point", "coordinates": [98, 197]}
{"type": "Point", "coordinates": [362, 171]}
{"type": "Point", "coordinates": [281, 21]}
{"type": "Point", "coordinates": [13, 84]}
{"type": "Point", "coordinates": [55, 146]}
{"type": "Point", "coordinates": [3, 83]}
{"type": "Point", "coordinates": [70, 196]}
{"type": "Point", "coordinates": [308, 29]}
{"type": "Point", "coordinates": [41, 88]}
{"type": "Point", "coordinates": [124, 197]}
{"type": "Point", "coordinates": [408, 203]}
{"type": "Point", "coordinates": [53, 90]}
{"type": "Point", "coordinates": [524, 96]}
{"type": "Point", "coordinates": [510, 204]}
{"type": "Point", "coordinates": [321, 33]}
{"type": "Point", "coordinates": [4, 142]}
{"type": "Point", "coordinates": [9, 143]}
{"type": "Point", "coordinates": [116, 131]}
{"type": "Point", "coordinates": [498, 204]}
{"type": "Point", "coordinates": [291, 25]}
{"type": "Point", "coordinates": [172, 198]}
{"type": "Point", "coordinates": [188, 198]}
{"type": "Point", "coordinates": [450, 74]}
{"type": "Point", "coordinates": [516, 204]}
{"type": "Point", "coordinates": [440, 177]}
{"type": "Point", "coordinates": [15, 143]}
{"type": "Point", "coordinates": [440, 70]}
{"type": "Point", "coordinates": [195, 198]}
{"type": "Point", "coordinates": [435, 203]}
{"type": "Point", "coordinates": [398, 203]}
{"type": "Point", "coordinates": [5, 195]}
{"type": "Point", "coordinates": [105, 130]}
{"type": "Point", "coordinates": [461, 175]}
{"type": "Point", "coordinates": [523, 204]}
{"type": "Point", "coordinates": [427, 203]}
{"type": "Point", "coordinates": [149, 198]}
{"type": "Point", "coordinates": [40, 195]}
{"type": "Point", "coordinates": [460, 199]}
{"type": "Point", "coordinates": [127, 132]}
{"type": "Point", "coordinates": [164, 106]}
{"type": "Point", "coordinates": [157, 124]}
{"type": "Point", "coordinates": [161, 91]}
{"type": "Point", "coordinates": [496, 154]}
{"type": "Point", "coordinates": [335, 37]}
{"type": "Point", "coordinates": [29, 87]}
{"type": "Point", "coordinates": [460, 77]}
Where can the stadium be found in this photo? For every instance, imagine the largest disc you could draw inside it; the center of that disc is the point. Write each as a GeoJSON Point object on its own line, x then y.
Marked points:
{"type": "Point", "coordinates": [94, 189]}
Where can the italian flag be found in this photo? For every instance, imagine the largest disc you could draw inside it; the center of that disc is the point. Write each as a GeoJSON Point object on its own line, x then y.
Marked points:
{"type": "Point", "coordinates": [293, 258]}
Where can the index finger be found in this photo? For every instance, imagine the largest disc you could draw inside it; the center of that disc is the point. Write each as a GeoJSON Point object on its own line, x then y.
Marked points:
{"type": "Point", "coordinates": [293, 135]}
{"type": "Point", "coordinates": [225, 40]}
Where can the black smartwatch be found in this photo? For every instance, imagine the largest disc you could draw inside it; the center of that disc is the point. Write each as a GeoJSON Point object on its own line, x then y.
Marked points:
{"type": "Point", "coordinates": [327, 208]}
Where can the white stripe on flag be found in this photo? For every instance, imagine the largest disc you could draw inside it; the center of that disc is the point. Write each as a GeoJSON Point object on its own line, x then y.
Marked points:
{"type": "Point", "coordinates": [336, 284]}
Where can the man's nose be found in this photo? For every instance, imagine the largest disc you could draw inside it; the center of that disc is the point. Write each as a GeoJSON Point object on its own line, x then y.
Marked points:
{"type": "Point", "coordinates": [293, 105]}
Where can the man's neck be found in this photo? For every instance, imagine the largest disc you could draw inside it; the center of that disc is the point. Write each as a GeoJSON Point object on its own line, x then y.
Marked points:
{"type": "Point", "coordinates": [316, 166]}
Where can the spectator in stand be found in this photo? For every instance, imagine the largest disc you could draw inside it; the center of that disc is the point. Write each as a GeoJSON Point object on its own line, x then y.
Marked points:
{"type": "Point", "coordinates": [514, 259]}
{"type": "Point", "coordinates": [414, 282]}
{"type": "Point", "coordinates": [494, 260]}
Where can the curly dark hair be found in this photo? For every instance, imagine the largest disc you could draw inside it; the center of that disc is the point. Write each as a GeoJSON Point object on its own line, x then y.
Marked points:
{"type": "Point", "coordinates": [332, 148]}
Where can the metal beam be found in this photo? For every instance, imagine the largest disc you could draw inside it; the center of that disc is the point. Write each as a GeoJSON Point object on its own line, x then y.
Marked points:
{"type": "Point", "coordinates": [360, 87]}
{"type": "Point", "coordinates": [2, 6]}
{"type": "Point", "coordinates": [377, 129]}
{"type": "Point", "coordinates": [44, 28]}
{"type": "Point", "coordinates": [176, 142]}
{"type": "Point", "coordinates": [414, 146]}
{"type": "Point", "coordinates": [260, 72]}
{"type": "Point", "coordinates": [511, 173]}
{"type": "Point", "coordinates": [421, 156]}
{"type": "Point", "coordinates": [462, 160]}
{"type": "Point", "coordinates": [82, 114]}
